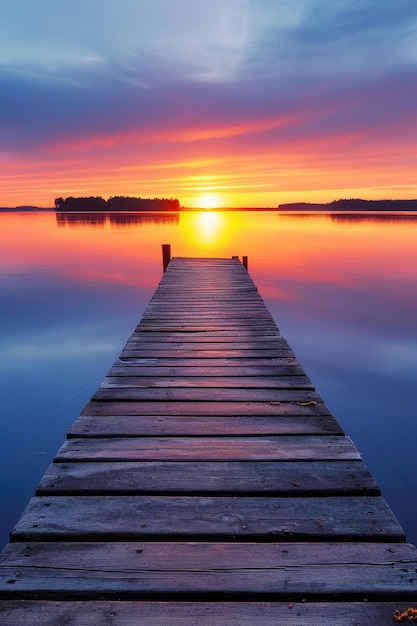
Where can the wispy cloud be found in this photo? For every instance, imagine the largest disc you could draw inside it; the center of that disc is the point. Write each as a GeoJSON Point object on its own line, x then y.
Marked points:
{"type": "Point", "coordinates": [139, 84]}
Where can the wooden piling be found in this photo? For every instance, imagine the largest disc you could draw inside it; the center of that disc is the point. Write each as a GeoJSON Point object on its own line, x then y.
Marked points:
{"type": "Point", "coordinates": [166, 255]}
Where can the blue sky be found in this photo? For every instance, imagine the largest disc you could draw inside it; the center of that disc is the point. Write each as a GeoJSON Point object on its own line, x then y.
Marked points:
{"type": "Point", "coordinates": [255, 102]}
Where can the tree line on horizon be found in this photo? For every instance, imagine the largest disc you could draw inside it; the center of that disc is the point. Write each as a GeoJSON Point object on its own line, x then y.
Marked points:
{"type": "Point", "coordinates": [352, 204]}
{"type": "Point", "coordinates": [116, 203]}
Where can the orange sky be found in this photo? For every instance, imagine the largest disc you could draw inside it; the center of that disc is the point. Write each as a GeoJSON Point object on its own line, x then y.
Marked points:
{"type": "Point", "coordinates": [239, 104]}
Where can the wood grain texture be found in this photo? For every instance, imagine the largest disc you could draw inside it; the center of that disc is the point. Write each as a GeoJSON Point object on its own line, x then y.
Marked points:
{"type": "Point", "coordinates": [289, 448]}
{"type": "Point", "coordinates": [272, 407]}
{"type": "Point", "coordinates": [273, 478]}
{"type": "Point", "coordinates": [184, 570]}
{"type": "Point", "coordinates": [172, 613]}
{"type": "Point", "coordinates": [124, 518]}
{"type": "Point", "coordinates": [192, 425]}
{"type": "Point", "coordinates": [180, 394]}
{"type": "Point", "coordinates": [204, 382]}
{"type": "Point", "coordinates": [191, 368]}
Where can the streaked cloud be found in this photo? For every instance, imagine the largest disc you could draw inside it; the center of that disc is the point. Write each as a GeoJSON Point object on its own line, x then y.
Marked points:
{"type": "Point", "coordinates": [136, 85]}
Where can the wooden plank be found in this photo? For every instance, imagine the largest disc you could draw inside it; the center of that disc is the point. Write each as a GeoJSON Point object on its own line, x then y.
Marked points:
{"type": "Point", "coordinates": [182, 293]}
{"type": "Point", "coordinates": [127, 368]}
{"type": "Point", "coordinates": [273, 344]}
{"type": "Point", "coordinates": [203, 321]}
{"type": "Point", "coordinates": [247, 308]}
{"type": "Point", "coordinates": [248, 321]}
{"type": "Point", "coordinates": [219, 282]}
{"type": "Point", "coordinates": [222, 283]}
{"type": "Point", "coordinates": [233, 314]}
{"type": "Point", "coordinates": [178, 394]}
{"type": "Point", "coordinates": [197, 325]}
{"type": "Point", "coordinates": [220, 319]}
{"type": "Point", "coordinates": [208, 335]}
{"type": "Point", "coordinates": [124, 518]}
{"type": "Point", "coordinates": [127, 425]}
{"type": "Point", "coordinates": [206, 353]}
{"type": "Point", "coordinates": [207, 317]}
{"type": "Point", "coordinates": [290, 448]}
{"type": "Point", "coordinates": [208, 363]}
{"type": "Point", "coordinates": [206, 346]}
{"type": "Point", "coordinates": [247, 477]}
{"type": "Point", "coordinates": [154, 613]}
{"type": "Point", "coordinates": [223, 382]}
{"type": "Point", "coordinates": [245, 408]}
{"type": "Point", "coordinates": [209, 300]}
{"type": "Point", "coordinates": [282, 571]}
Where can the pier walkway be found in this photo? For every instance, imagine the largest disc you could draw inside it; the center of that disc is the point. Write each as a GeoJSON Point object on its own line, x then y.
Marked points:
{"type": "Point", "coordinates": [206, 483]}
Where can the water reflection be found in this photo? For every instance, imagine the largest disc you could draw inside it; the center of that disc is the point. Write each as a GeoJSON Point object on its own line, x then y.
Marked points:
{"type": "Point", "coordinates": [355, 217]}
{"type": "Point", "coordinates": [81, 219]}
{"type": "Point", "coordinates": [342, 290]}
{"type": "Point", "coordinates": [115, 219]}
{"type": "Point", "coordinates": [379, 217]}
{"type": "Point", "coordinates": [129, 219]}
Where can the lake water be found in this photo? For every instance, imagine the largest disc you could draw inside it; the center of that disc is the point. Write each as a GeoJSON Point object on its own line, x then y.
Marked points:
{"type": "Point", "coordinates": [342, 289]}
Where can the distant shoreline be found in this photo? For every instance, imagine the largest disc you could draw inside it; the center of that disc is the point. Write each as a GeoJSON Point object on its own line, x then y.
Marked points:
{"type": "Point", "coordinates": [25, 209]}
{"type": "Point", "coordinates": [337, 206]}
{"type": "Point", "coordinates": [352, 205]}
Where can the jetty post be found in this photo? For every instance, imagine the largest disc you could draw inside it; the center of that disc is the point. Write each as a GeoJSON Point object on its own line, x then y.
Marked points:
{"type": "Point", "coordinates": [166, 255]}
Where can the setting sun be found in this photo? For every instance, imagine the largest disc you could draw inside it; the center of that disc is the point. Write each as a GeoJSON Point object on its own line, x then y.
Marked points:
{"type": "Point", "coordinates": [208, 201]}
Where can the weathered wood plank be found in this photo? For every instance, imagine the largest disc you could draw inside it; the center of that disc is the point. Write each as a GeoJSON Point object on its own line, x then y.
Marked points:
{"type": "Point", "coordinates": [224, 382]}
{"type": "Point", "coordinates": [237, 477]}
{"type": "Point", "coordinates": [154, 613]}
{"type": "Point", "coordinates": [127, 426]}
{"type": "Point", "coordinates": [287, 571]}
{"type": "Point", "coordinates": [248, 322]}
{"type": "Point", "coordinates": [207, 352]}
{"type": "Point", "coordinates": [127, 368]}
{"type": "Point", "coordinates": [197, 325]}
{"type": "Point", "coordinates": [124, 518]}
{"type": "Point", "coordinates": [181, 289]}
{"type": "Point", "coordinates": [191, 311]}
{"type": "Point", "coordinates": [218, 313]}
{"type": "Point", "coordinates": [180, 294]}
{"type": "Point", "coordinates": [260, 336]}
{"type": "Point", "coordinates": [245, 408]}
{"type": "Point", "coordinates": [290, 448]}
{"type": "Point", "coordinates": [212, 298]}
{"type": "Point", "coordinates": [178, 394]}
{"type": "Point", "coordinates": [208, 363]}
{"type": "Point", "coordinates": [187, 346]}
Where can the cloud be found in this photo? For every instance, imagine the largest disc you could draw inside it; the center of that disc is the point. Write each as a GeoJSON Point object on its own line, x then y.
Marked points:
{"type": "Point", "coordinates": [204, 39]}
{"type": "Point", "coordinates": [148, 84]}
{"type": "Point", "coordinates": [330, 39]}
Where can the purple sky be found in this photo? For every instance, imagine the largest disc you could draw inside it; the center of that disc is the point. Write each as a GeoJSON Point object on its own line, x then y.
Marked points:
{"type": "Point", "coordinates": [233, 102]}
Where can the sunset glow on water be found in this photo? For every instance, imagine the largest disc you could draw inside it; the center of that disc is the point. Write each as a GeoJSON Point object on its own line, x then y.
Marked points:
{"type": "Point", "coordinates": [342, 289]}
{"type": "Point", "coordinates": [300, 244]}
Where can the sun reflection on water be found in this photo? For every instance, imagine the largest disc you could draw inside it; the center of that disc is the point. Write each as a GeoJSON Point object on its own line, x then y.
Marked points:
{"type": "Point", "coordinates": [208, 225]}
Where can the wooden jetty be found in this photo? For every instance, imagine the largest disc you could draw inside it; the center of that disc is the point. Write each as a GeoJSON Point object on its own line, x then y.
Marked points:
{"type": "Point", "coordinates": [206, 482]}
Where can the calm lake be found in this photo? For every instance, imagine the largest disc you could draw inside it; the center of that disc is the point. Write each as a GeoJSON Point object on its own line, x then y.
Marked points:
{"type": "Point", "coordinates": [341, 288]}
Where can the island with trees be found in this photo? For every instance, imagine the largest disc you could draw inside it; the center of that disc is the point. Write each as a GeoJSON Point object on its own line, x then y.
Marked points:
{"type": "Point", "coordinates": [352, 205]}
{"type": "Point", "coordinates": [114, 204]}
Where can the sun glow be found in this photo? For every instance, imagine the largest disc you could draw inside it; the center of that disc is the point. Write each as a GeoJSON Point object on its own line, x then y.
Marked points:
{"type": "Point", "coordinates": [208, 226]}
{"type": "Point", "coordinates": [208, 201]}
